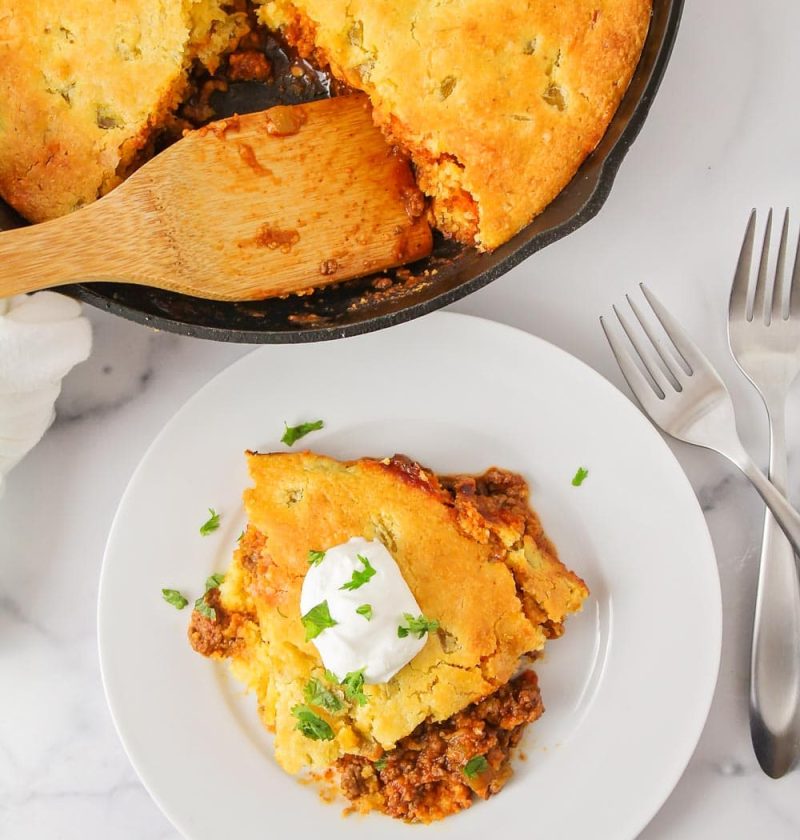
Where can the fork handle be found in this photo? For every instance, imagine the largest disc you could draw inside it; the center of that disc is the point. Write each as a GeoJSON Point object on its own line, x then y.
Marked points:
{"type": "Point", "coordinates": [775, 652]}
{"type": "Point", "coordinates": [787, 517]}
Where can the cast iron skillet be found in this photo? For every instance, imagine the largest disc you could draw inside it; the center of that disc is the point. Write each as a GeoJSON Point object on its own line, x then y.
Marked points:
{"type": "Point", "coordinates": [378, 301]}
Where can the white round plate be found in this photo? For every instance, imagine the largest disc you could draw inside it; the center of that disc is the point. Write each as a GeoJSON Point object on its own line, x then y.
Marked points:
{"type": "Point", "coordinates": [627, 688]}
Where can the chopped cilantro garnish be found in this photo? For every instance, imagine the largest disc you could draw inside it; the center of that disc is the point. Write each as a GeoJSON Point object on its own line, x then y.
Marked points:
{"type": "Point", "coordinates": [420, 626]}
{"type": "Point", "coordinates": [353, 687]}
{"type": "Point", "coordinates": [365, 610]}
{"type": "Point", "coordinates": [174, 598]}
{"type": "Point", "coordinates": [315, 557]}
{"type": "Point", "coordinates": [317, 619]}
{"type": "Point", "coordinates": [294, 433]}
{"type": "Point", "coordinates": [579, 476]}
{"type": "Point", "coordinates": [205, 609]}
{"type": "Point", "coordinates": [201, 605]}
{"type": "Point", "coordinates": [475, 766]}
{"type": "Point", "coordinates": [360, 576]}
{"type": "Point", "coordinates": [211, 524]}
{"type": "Point", "coordinates": [213, 581]}
{"type": "Point", "coordinates": [316, 694]}
{"type": "Point", "coordinates": [380, 763]}
{"type": "Point", "coordinates": [311, 724]}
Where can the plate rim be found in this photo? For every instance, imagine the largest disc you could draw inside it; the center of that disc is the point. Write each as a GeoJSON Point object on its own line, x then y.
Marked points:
{"type": "Point", "coordinates": [715, 623]}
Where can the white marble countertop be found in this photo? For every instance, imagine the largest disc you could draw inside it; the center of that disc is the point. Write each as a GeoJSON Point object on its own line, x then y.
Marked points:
{"type": "Point", "coordinates": [723, 136]}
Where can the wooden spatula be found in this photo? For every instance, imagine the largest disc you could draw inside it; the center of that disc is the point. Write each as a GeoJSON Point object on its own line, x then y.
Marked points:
{"type": "Point", "coordinates": [251, 207]}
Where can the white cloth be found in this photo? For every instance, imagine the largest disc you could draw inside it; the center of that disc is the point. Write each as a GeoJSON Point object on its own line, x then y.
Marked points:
{"type": "Point", "coordinates": [42, 337]}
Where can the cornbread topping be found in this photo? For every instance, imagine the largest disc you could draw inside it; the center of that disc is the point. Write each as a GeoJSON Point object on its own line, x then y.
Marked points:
{"type": "Point", "coordinates": [368, 599]}
{"type": "Point", "coordinates": [496, 104]}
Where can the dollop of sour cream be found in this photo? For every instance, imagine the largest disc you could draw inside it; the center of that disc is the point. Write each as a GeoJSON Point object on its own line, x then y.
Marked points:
{"type": "Point", "coordinates": [355, 642]}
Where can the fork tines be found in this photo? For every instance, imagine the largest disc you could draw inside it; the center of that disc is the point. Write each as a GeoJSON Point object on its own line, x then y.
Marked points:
{"type": "Point", "coordinates": [765, 298]}
{"type": "Point", "coordinates": [655, 362]}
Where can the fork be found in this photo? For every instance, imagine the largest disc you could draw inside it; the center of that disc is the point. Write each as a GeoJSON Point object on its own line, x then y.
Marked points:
{"type": "Point", "coordinates": [682, 394]}
{"type": "Point", "coordinates": [764, 336]}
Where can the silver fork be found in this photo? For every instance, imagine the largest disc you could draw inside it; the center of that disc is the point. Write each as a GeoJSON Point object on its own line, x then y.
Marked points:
{"type": "Point", "coordinates": [764, 335]}
{"type": "Point", "coordinates": [682, 394]}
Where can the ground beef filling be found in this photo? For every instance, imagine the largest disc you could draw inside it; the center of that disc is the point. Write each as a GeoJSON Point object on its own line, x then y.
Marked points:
{"type": "Point", "coordinates": [218, 637]}
{"type": "Point", "coordinates": [213, 637]}
{"type": "Point", "coordinates": [423, 779]}
{"type": "Point", "coordinates": [498, 495]}
{"type": "Point", "coordinates": [501, 499]}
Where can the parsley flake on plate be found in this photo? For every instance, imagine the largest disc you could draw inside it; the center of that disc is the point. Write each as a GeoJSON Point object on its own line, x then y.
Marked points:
{"type": "Point", "coordinates": [311, 724]}
{"type": "Point", "coordinates": [294, 433]}
{"type": "Point", "coordinates": [380, 764]}
{"type": "Point", "coordinates": [475, 766]}
{"type": "Point", "coordinates": [353, 685]}
{"type": "Point", "coordinates": [420, 626]}
{"type": "Point", "coordinates": [317, 619]}
{"type": "Point", "coordinates": [316, 694]}
{"type": "Point", "coordinates": [211, 524]}
{"type": "Point", "coordinates": [174, 598]}
{"type": "Point", "coordinates": [315, 557]}
{"type": "Point", "coordinates": [579, 476]}
{"type": "Point", "coordinates": [360, 576]}
{"type": "Point", "coordinates": [365, 610]}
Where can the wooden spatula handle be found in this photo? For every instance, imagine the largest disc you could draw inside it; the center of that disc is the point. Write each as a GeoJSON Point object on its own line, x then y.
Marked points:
{"type": "Point", "coordinates": [83, 246]}
{"type": "Point", "coordinates": [241, 210]}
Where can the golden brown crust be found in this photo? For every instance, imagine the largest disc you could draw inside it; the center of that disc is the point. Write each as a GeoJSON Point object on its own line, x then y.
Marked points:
{"type": "Point", "coordinates": [82, 91]}
{"type": "Point", "coordinates": [464, 567]}
{"type": "Point", "coordinates": [498, 108]}
{"type": "Point", "coordinates": [499, 105]}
